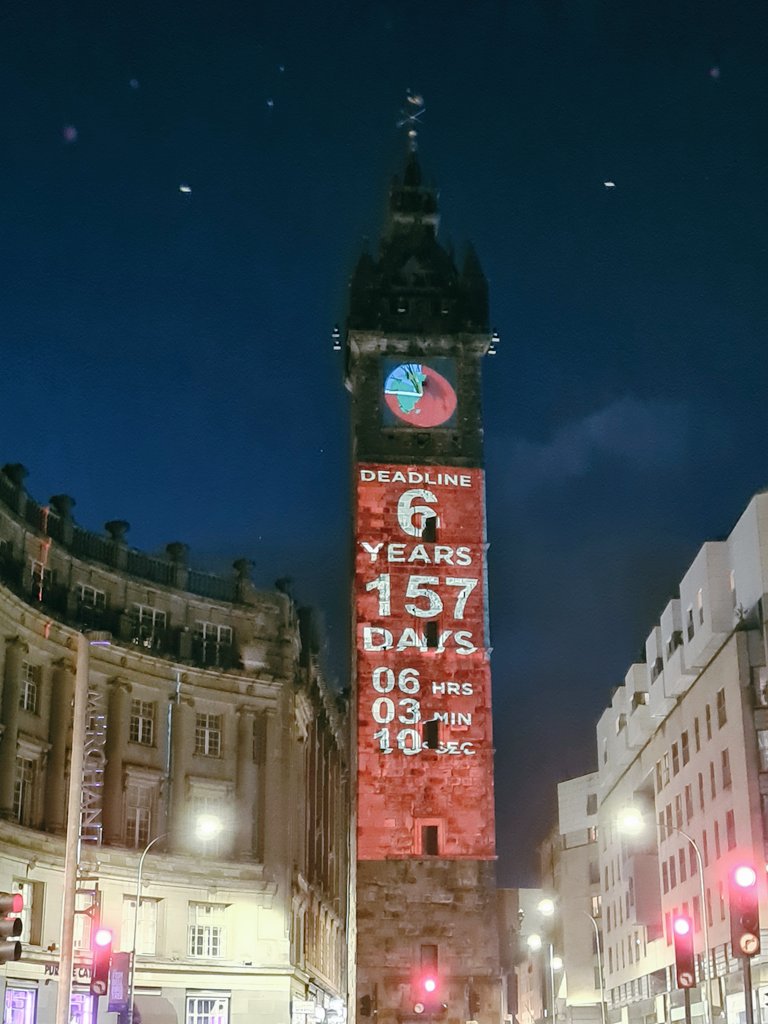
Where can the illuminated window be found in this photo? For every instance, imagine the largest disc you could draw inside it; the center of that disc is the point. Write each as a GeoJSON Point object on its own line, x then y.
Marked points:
{"type": "Point", "coordinates": [206, 929]}
{"type": "Point", "coordinates": [142, 728]}
{"type": "Point", "coordinates": [208, 735]}
{"type": "Point", "coordinates": [597, 906]}
{"type": "Point", "coordinates": [19, 1005]}
{"type": "Point", "coordinates": [207, 1009]}
{"type": "Point", "coordinates": [700, 605]}
{"type": "Point", "coordinates": [29, 692]}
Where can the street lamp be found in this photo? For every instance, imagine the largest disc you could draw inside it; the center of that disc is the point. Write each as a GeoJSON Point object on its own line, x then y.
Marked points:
{"type": "Point", "coordinates": [207, 827]}
{"type": "Point", "coordinates": [632, 822]}
{"type": "Point", "coordinates": [547, 908]}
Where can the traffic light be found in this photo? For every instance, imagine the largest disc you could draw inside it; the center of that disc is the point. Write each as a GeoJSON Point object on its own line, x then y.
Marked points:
{"type": "Point", "coordinates": [429, 999]}
{"type": "Point", "coordinates": [11, 903]}
{"type": "Point", "coordinates": [685, 964]}
{"type": "Point", "coordinates": [745, 911]}
{"type": "Point", "coordinates": [101, 945]}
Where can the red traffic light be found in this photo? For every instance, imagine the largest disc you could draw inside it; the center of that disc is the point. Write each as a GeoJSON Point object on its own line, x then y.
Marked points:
{"type": "Point", "coordinates": [429, 984]}
{"type": "Point", "coordinates": [101, 943]}
{"type": "Point", "coordinates": [10, 927]}
{"type": "Point", "coordinates": [685, 965]}
{"type": "Point", "coordinates": [745, 911]}
{"type": "Point", "coordinates": [745, 876]}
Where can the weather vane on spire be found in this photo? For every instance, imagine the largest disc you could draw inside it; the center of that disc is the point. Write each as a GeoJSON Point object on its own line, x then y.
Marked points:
{"type": "Point", "coordinates": [414, 109]}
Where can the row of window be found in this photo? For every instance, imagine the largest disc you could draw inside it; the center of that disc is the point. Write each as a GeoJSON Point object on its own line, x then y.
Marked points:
{"type": "Point", "coordinates": [21, 1007]}
{"type": "Point", "coordinates": [635, 947]}
{"type": "Point", "coordinates": [680, 752]}
{"type": "Point", "coordinates": [140, 800]}
{"type": "Point", "coordinates": [142, 720]}
{"type": "Point", "coordinates": [206, 922]}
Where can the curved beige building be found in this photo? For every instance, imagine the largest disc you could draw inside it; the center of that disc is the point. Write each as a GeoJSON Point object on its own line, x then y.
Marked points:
{"type": "Point", "coordinates": [208, 699]}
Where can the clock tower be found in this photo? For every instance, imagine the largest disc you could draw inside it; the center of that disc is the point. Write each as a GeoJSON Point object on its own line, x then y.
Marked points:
{"type": "Point", "coordinates": [424, 943]}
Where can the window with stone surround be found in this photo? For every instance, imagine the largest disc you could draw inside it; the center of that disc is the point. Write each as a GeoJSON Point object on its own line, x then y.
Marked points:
{"type": "Point", "coordinates": [206, 930]}
{"type": "Point", "coordinates": [142, 728]}
{"type": "Point", "coordinates": [29, 691]}
{"type": "Point", "coordinates": [208, 1009]}
{"type": "Point", "coordinates": [139, 805]}
{"type": "Point", "coordinates": [213, 644]}
{"type": "Point", "coordinates": [208, 735]}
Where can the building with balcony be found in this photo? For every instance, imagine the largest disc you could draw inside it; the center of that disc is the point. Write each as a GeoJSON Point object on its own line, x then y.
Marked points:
{"type": "Point", "coordinates": [683, 744]}
{"type": "Point", "coordinates": [209, 698]}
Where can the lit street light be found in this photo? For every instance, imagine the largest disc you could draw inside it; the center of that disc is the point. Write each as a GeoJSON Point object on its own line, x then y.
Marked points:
{"type": "Point", "coordinates": [207, 827]}
{"type": "Point", "coordinates": [632, 822]}
{"type": "Point", "coordinates": [547, 908]}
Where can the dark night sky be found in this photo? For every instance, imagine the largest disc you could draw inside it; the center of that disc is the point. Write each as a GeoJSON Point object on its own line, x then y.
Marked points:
{"type": "Point", "coordinates": [166, 357]}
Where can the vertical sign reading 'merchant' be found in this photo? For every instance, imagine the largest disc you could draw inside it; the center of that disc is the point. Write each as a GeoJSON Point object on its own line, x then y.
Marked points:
{"type": "Point", "coordinates": [424, 745]}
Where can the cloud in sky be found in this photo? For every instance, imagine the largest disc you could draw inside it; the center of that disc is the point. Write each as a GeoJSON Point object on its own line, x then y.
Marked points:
{"type": "Point", "coordinates": [644, 434]}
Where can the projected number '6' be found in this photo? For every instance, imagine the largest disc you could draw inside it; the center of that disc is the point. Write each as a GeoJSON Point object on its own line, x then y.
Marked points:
{"type": "Point", "coordinates": [406, 511]}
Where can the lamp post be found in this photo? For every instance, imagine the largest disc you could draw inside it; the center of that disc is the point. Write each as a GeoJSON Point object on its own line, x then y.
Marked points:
{"type": "Point", "coordinates": [633, 822]}
{"type": "Point", "coordinates": [207, 826]}
{"type": "Point", "coordinates": [547, 908]}
{"type": "Point", "coordinates": [599, 965]}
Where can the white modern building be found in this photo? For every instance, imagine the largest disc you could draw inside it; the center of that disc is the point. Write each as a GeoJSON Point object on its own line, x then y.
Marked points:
{"type": "Point", "coordinates": [207, 699]}
{"type": "Point", "coordinates": [683, 752]}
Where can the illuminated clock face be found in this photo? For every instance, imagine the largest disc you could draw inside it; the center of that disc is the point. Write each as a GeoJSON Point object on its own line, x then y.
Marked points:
{"type": "Point", "coordinates": [418, 395]}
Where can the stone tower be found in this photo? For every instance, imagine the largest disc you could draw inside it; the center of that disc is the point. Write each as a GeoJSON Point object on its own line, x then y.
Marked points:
{"type": "Point", "coordinates": [424, 939]}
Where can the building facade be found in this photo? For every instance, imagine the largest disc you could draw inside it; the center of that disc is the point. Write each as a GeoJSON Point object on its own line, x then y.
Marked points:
{"type": "Point", "coordinates": [423, 828]}
{"type": "Point", "coordinates": [206, 699]}
{"type": "Point", "coordinates": [683, 754]}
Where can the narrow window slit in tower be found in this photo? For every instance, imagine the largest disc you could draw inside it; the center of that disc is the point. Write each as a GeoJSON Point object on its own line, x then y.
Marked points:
{"type": "Point", "coordinates": [429, 843]}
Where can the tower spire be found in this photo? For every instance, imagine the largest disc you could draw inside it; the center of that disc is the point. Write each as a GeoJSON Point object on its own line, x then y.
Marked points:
{"type": "Point", "coordinates": [410, 118]}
